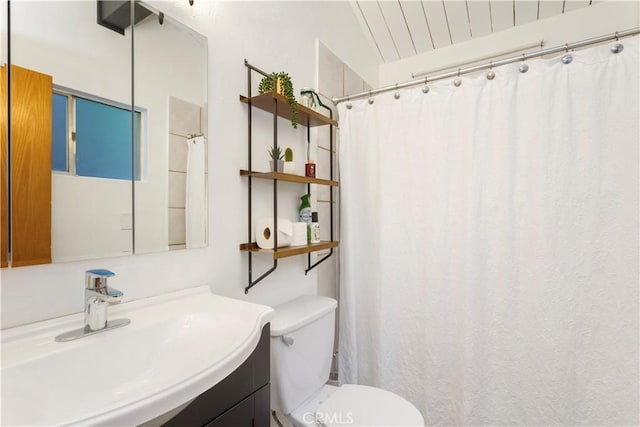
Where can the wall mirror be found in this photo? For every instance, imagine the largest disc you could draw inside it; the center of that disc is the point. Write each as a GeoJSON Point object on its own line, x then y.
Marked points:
{"type": "Point", "coordinates": [90, 129]}
{"type": "Point", "coordinates": [170, 81]}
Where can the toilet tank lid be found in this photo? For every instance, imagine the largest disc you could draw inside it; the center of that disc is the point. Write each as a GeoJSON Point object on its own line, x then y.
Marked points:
{"type": "Point", "coordinates": [298, 312]}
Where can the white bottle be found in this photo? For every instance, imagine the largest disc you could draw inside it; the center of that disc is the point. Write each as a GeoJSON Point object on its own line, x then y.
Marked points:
{"type": "Point", "coordinates": [314, 229]}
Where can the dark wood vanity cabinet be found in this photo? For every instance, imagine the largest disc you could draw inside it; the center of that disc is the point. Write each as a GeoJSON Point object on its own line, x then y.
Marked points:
{"type": "Point", "coordinates": [241, 399]}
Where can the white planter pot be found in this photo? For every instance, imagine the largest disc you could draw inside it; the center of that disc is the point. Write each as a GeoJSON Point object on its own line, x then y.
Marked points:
{"type": "Point", "coordinates": [289, 167]}
{"type": "Point", "coordinates": [279, 166]}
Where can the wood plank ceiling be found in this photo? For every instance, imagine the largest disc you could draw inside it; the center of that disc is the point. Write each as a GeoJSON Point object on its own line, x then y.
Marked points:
{"type": "Point", "coordinates": [403, 28]}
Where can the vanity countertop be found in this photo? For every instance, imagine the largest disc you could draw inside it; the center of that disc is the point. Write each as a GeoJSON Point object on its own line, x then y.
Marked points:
{"type": "Point", "coordinates": [177, 346]}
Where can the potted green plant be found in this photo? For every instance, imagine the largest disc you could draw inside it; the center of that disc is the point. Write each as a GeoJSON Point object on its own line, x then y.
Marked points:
{"type": "Point", "coordinates": [289, 164]}
{"type": "Point", "coordinates": [284, 87]}
{"type": "Point", "coordinates": [277, 159]}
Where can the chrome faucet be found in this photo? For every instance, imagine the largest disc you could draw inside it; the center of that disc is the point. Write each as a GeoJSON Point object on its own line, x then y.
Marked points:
{"type": "Point", "coordinates": [97, 297]}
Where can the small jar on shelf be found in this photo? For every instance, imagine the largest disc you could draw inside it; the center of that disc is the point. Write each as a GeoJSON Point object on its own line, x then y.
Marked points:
{"type": "Point", "coordinates": [314, 229]}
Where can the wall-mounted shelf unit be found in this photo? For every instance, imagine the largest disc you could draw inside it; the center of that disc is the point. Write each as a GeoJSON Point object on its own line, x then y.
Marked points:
{"type": "Point", "coordinates": [279, 106]}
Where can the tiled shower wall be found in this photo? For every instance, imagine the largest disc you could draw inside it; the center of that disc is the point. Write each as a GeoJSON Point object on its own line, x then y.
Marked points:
{"type": "Point", "coordinates": [185, 119]}
{"type": "Point", "coordinates": [335, 79]}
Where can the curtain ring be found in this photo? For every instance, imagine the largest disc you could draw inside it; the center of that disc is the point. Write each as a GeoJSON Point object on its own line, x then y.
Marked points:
{"type": "Point", "coordinates": [396, 95]}
{"type": "Point", "coordinates": [425, 89]}
{"type": "Point", "coordinates": [349, 106]}
{"type": "Point", "coordinates": [618, 47]}
{"type": "Point", "coordinates": [458, 81]}
{"type": "Point", "coordinates": [523, 68]}
{"type": "Point", "coordinates": [566, 47]}
{"type": "Point", "coordinates": [491, 75]}
{"type": "Point", "coordinates": [370, 98]}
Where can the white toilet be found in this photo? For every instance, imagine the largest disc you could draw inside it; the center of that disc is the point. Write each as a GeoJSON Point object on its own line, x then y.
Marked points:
{"type": "Point", "coordinates": [302, 334]}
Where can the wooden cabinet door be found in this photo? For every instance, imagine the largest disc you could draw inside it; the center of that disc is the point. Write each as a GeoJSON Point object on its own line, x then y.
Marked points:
{"type": "Point", "coordinates": [4, 211]}
{"type": "Point", "coordinates": [31, 126]}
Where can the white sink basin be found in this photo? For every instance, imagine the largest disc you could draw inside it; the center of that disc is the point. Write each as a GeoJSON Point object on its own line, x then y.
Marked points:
{"type": "Point", "coordinates": [177, 346]}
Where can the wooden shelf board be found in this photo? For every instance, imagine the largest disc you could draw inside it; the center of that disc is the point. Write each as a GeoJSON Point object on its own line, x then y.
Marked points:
{"type": "Point", "coordinates": [288, 251]}
{"type": "Point", "coordinates": [288, 177]}
{"type": "Point", "coordinates": [306, 116]}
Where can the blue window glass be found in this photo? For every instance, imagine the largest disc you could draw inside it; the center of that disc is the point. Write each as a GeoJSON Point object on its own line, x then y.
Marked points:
{"type": "Point", "coordinates": [103, 141]}
{"type": "Point", "coordinates": [60, 132]}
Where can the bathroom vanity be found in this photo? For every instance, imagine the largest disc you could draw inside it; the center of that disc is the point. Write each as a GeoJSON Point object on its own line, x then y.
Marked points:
{"type": "Point", "coordinates": [201, 358]}
{"type": "Point", "coordinates": [241, 399]}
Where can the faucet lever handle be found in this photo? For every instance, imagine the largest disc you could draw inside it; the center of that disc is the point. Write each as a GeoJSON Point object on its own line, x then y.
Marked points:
{"type": "Point", "coordinates": [97, 279]}
{"type": "Point", "coordinates": [101, 272]}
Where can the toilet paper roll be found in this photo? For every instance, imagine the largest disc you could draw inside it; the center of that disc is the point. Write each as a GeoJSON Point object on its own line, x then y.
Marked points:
{"type": "Point", "coordinates": [265, 233]}
{"type": "Point", "coordinates": [299, 234]}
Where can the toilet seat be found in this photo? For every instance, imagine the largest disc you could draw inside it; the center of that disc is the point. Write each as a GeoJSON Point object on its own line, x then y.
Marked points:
{"type": "Point", "coordinates": [360, 405]}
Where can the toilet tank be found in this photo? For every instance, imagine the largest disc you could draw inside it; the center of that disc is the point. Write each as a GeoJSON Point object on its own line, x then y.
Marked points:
{"type": "Point", "coordinates": [302, 333]}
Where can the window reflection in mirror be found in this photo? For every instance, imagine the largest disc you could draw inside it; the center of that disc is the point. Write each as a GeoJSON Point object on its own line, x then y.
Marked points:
{"type": "Point", "coordinates": [99, 132]}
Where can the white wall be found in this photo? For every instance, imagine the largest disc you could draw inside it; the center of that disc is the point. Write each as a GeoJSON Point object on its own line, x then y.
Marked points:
{"type": "Point", "coordinates": [89, 217]}
{"type": "Point", "coordinates": [601, 18]}
{"type": "Point", "coordinates": [274, 36]}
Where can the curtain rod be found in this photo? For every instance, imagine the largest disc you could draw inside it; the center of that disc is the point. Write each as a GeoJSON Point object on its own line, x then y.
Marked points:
{"type": "Point", "coordinates": [523, 57]}
{"type": "Point", "coordinates": [538, 44]}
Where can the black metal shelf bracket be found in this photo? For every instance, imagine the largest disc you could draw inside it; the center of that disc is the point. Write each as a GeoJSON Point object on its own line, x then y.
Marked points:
{"type": "Point", "coordinates": [317, 263]}
{"type": "Point", "coordinates": [250, 282]}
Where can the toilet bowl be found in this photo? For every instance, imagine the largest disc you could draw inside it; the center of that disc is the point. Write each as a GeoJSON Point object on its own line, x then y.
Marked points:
{"type": "Point", "coordinates": [355, 405]}
{"type": "Point", "coordinates": [302, 332]}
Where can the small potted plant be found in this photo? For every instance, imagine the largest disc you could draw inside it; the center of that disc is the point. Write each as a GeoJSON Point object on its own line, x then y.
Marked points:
{"type": "Point", "coordinates": [277, 159]}
{"type": "Point", "coordinates": [284, 87]}
{"type": "Point", "coordinates": [289, 164]}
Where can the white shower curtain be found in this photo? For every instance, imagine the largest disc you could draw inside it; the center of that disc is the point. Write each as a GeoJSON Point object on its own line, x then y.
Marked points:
{"type": "Point", "coordinates": [489, 244]}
